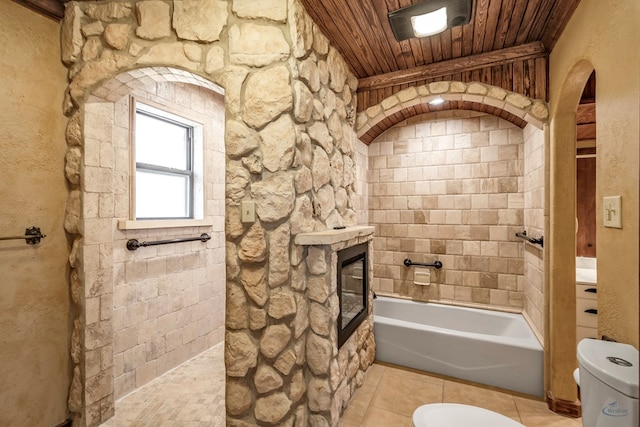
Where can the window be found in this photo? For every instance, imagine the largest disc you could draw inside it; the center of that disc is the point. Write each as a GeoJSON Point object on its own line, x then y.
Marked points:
{"type": "Point", "coordinates": [168, 165]}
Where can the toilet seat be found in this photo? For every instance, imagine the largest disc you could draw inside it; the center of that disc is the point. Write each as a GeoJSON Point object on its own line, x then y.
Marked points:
{"type": "Point", "coordinates": [457, 415]}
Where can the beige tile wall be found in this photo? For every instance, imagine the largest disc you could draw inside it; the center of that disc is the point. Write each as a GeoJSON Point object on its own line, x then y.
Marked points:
{"type": "Point", "coordinates": [168, 301]}
{"type": "Point", "coordinates": [534, 219]}
{"type": "Point", "coordinates": [361, 187]}
{"type": "Point", "coordinates": [449, 186]}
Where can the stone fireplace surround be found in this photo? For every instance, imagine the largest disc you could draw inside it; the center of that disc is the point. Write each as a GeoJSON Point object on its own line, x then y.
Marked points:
{"type": "Point", "coordinates": [333, 372]}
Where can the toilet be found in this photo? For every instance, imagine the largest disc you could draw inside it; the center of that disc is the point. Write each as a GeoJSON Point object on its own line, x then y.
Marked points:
{"type": "Point", "coordinates": [608, 379]}
{"type": "Point", "coordinates": [457, 415]}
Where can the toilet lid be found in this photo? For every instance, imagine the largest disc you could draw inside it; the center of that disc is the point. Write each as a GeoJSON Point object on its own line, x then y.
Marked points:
{"type": "Point", "coordinates": [457, 415]}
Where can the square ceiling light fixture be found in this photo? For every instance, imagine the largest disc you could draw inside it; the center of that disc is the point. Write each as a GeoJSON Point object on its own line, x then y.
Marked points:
{"type": "Point", "coordinates": [429, 17]}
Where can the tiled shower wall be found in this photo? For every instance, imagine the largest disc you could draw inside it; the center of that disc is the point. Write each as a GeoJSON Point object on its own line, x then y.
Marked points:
{"type": "Point", "coordinates": [362, 192]}
{"type": "Point", "coordinates": [449, 186]}
{"type": "Point", "coordinates": [168, 301]}
{"type": "Point", "coordinates": [535, 217]}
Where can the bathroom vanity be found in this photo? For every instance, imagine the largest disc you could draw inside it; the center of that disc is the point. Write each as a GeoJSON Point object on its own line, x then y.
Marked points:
{"type": "Point", "coordinates": [586, 298]}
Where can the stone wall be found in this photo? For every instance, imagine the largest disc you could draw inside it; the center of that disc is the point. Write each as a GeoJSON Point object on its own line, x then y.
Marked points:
{"type": "Point", "coordinates": [334, 372]}
{"type": "Point", "coordinates": [449, 186]}
{"type": "Point", "coordinates": [307, 185]}
{"type": "Point", "coordinates": [290, 111]}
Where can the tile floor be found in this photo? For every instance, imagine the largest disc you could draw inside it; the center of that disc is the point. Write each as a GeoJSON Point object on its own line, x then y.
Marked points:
{"type": "Point", "coordinates": [192, 395]}
{"type": "Point", "coordinates": [390, 394]}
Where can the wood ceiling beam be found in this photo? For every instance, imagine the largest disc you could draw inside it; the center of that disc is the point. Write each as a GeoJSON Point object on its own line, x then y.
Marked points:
{"type": "Point", "coordinates": [586, 121]}
{"type": "Point", "coordinates": [50, 8]}
{"type": "Point", "coordinates": [586, 131]}
{"type": "Point", "coordinates": [453, 66]}
{"type": "Point", "coordinates": [586, 113]}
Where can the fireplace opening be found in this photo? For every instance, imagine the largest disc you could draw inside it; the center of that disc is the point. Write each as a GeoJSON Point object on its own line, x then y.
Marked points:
{"type": "Point", "coordinates": [353, 290]}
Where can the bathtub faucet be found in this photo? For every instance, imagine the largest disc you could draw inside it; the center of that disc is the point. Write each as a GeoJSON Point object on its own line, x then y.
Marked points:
{"type": "Point", "coordinates": [435, 264]}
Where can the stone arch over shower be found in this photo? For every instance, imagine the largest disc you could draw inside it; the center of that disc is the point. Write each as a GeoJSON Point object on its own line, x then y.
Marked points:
{"type": "Point", "coordinates": [511, 106]}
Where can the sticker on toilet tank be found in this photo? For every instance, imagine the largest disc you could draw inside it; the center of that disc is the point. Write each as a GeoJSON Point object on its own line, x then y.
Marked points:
{"type": "Point", "coordinates": [613, 409]}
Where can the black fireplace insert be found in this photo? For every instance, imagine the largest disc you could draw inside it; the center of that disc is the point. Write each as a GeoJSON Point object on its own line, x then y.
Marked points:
{"type": "Point", "coordinates": [353, 289]}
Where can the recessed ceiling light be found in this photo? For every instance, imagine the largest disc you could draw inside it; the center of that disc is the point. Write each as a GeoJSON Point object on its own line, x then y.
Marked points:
{"type": "Point", "coordinates": [437, 15]}
{"type": "Point", "coordinates": [436, 101]}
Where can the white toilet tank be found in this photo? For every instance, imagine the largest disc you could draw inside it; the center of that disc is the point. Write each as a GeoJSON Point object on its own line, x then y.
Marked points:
{"type": "Point", "coordinates": [608, 383]}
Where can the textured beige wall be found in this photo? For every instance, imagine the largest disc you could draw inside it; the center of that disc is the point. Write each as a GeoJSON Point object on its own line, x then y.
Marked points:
{"type": "Point", "coordinates": [606, 35]}
{"type": "Point", "coordinates": [34, 307]}
{"type": "Point", "coordinates": [601, 36]}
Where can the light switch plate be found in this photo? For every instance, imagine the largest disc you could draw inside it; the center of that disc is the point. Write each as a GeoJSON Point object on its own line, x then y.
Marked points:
{"type": "Point", "coordinates": [248, 211]}
{"type": "Point", "coordinates": [611, 211]}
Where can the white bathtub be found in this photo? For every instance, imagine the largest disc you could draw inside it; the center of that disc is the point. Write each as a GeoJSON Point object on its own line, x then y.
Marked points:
{"type": "Point", "coordinates": [483, 346]}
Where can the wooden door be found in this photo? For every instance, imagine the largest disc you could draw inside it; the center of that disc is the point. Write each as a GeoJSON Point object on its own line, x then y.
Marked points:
{"type": "Point", "coordinates": [586, 206]}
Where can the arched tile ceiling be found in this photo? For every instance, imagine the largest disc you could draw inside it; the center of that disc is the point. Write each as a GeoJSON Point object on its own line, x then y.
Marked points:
{"type": "Point", "coordinates": [409, 112]}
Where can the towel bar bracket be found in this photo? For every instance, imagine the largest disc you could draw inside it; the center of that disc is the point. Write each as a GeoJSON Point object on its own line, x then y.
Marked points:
{"type": "Point", "coordinates": [538, 241]}
{"type": "Point", "coordinates": [32, 236]}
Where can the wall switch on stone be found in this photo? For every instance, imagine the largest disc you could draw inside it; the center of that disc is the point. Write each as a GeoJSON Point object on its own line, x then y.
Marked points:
{"type": "Point", "coordinates": [611, 209]}
{"type": "Point", "coordinates": [248, 211]}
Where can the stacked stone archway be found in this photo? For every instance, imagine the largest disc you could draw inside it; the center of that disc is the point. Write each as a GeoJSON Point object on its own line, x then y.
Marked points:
{"type": "Point", "coordinates": [290, 104]}
{"type": "Point", "coordinates": [512, 106]}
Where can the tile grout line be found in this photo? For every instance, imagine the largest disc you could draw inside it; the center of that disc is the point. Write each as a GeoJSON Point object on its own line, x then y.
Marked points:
{"type": "Point", "coordinates": [517, 409]}
{"type": "Point", "coordinates": [364, 415]}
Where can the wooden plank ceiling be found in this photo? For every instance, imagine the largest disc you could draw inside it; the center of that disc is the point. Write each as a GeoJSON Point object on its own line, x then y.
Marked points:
{"type": "Point", "coordinates": [586, 114]}
{"type": "Point", "coordinates": [506, 44]}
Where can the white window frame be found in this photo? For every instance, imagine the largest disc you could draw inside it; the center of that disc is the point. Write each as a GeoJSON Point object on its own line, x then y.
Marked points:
{"type": "Point", "coordinates": [197, 168]}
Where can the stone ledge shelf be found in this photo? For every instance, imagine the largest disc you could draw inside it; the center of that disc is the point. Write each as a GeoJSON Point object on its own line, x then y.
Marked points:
{"type": "Point", "coordinates": [332, 236]}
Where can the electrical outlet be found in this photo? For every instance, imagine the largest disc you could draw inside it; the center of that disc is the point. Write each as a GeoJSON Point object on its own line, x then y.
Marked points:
{"type": "Point", "coordinates": [611, 211]}
{"type": "Point", "coordinates": [248, 211]}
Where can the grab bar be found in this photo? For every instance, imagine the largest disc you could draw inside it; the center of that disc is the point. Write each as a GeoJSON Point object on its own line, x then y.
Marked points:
{"type": "Point", "coordinates": [133, 244]}
{"type": "Point", "coordinates": [538, 241]}
{"type": "Point", "coordinates": [32, 236]}
{"type": "Point", "coordinates": [435, 264]}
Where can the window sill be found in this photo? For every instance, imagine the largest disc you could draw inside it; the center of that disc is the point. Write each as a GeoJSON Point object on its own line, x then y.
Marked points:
{"type": "Point", "coordinates": [124, 224]}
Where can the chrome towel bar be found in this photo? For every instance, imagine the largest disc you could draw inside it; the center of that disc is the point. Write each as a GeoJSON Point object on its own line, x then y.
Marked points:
{"type": "Point", "coordinates": [32, 236]}
{"type": "Point", "coordinates": [134, 244]}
